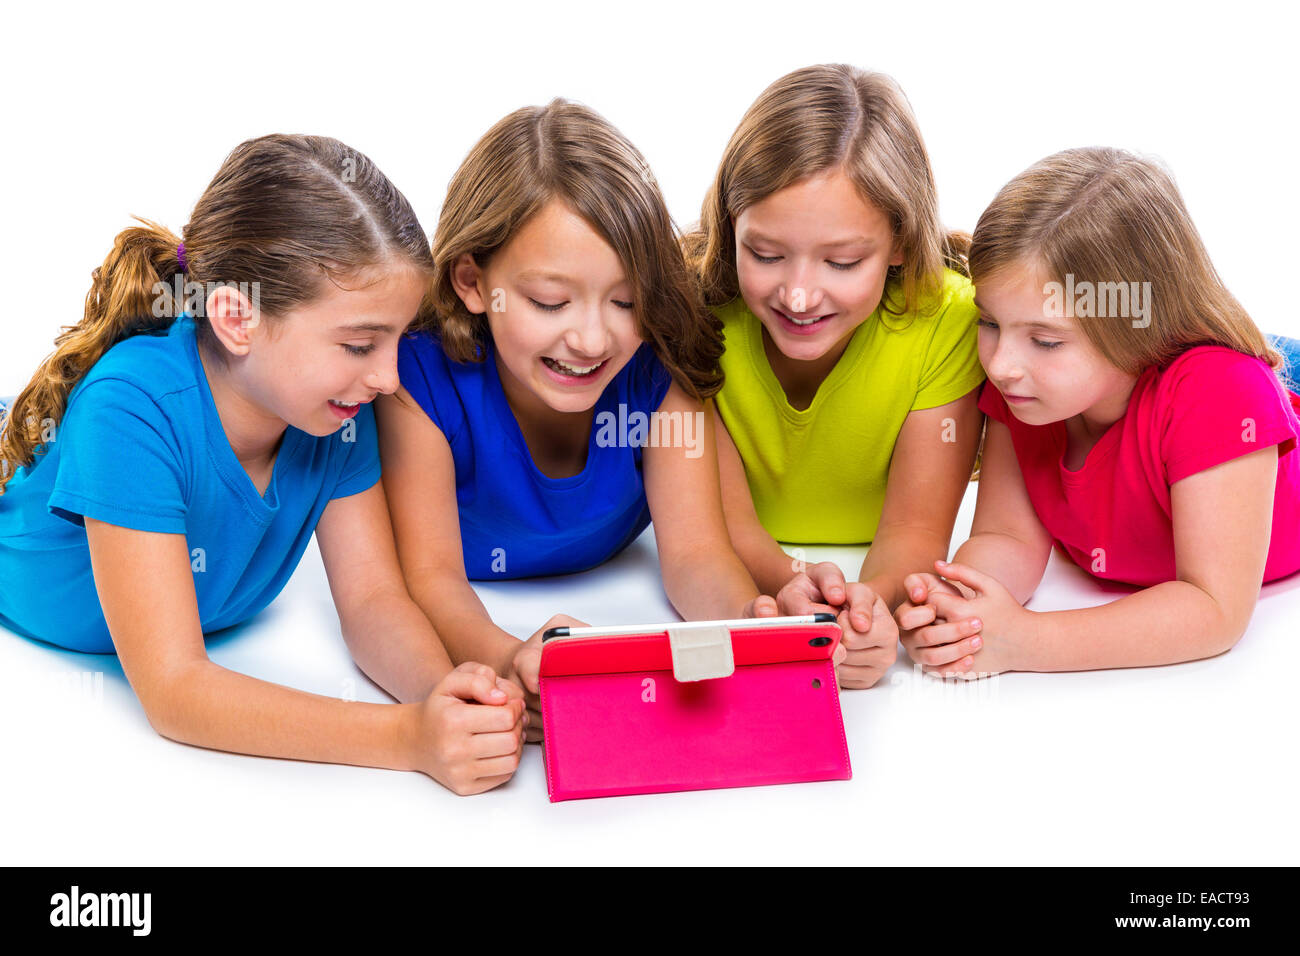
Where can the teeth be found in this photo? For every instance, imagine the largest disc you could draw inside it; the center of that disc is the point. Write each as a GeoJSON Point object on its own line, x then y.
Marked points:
{"type": "Point", "coordinates": [335, 401]}
{"type": "Point", "coordinates": [576, 369]}
{"type": "Point", "coordinates": [802, 321]}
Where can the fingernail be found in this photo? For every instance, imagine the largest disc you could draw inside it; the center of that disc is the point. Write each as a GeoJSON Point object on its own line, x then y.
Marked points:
{"type": "Point", "coordinates": [977, 643]}
{"type": "Point", "coordinates": [497, 693]}
{"type": "Point", "coordinates": [976, 623]}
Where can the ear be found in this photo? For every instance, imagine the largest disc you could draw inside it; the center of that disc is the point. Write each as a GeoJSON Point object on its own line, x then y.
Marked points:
{"type": "Point", "coordinates": [896, 258]}
{"type": "Point", "coordinates": [465, 276]}
{"type": "Point", "coordinates": [233, 318]}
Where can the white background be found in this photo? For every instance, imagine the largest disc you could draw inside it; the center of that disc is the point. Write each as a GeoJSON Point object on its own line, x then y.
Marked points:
{"type": "Point", "coordinates": [110, 112]}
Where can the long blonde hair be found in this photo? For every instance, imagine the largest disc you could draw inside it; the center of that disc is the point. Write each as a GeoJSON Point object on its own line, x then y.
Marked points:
{"type": "Point", "coordinates": [287, 213]}
{"type": "Point", "coordinates": [1106, 216]}
{"type": "Point", "coordinates": [566, 151]}
{"type": "Point", "coordinates": [808, 122]}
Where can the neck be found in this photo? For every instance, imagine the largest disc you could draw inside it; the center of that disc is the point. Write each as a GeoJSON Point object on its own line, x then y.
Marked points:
{"type": "Point", "coordinates": [1090, 424]}
{"type": "Point", "coordinates": [801, 378]}
{"type": "Point", "coordinates": [534, 415]}
{"type": "Point", "coordinates": [254, 434]}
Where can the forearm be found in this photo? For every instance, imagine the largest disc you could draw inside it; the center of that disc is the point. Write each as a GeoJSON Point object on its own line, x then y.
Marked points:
{"type": "Point", "coordinates": [394, 643]}
{"type": "Point", "coordinates": [463, 624]}
{"type": "Point", "coordinates": [1165, 624]}
{"type": "Point", "coordinates": [1012, 562]}
{"type": "Point", "coordinates": [704, 585]}
{"type": "Point", "coordinates": [769, 566]}
{"type": "Point", "coordinates": [220, 709]}
{"type": "Point", "coordinates": [896, 553]}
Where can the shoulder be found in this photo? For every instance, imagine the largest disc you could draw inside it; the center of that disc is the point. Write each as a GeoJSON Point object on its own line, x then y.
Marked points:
{"type": "Point", "coordinates": [953, 305]}
{"type": "Point", "coordinates": [148, 366]}
{"type": "Point", "coordinates": [943, 318]}
{"type": "Point", "coordinates": [425, 369]}
{"type": "Point", "coordinates": [1219, 371]}
{"type": "Point", "coordinates": [734, 315]}
{"type": "Point", "coordinates": [647, 378]}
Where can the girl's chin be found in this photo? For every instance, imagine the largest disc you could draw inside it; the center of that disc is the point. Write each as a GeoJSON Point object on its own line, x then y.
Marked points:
{"type": "Point", "coordinates": [808, 347]}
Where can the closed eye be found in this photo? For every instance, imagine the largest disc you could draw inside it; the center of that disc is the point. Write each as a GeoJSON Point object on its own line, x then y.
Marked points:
{"type": "Point", "coordinates": [621, 304]}
{"type": "Point", "coordinates": [843, 266]}
{"type": "Point", "coordinates": [360, 349]}
{"type": "Point", "coordinates": [548, 306]}
{"type": "Point", "coordinates": [766, 260]}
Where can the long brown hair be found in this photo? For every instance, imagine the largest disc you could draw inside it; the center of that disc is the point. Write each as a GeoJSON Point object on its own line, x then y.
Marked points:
{"type": "Point", "coordinates": [284, 214]}
{"type": "Point", "coordinates": [817, 119]}
{"type": "Point", "coordinates": [1109, 217]}
{"type": "Point", "coordinates": [566, 151]}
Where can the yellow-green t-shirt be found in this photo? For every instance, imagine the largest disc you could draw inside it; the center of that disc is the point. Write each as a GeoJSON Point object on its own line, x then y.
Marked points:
{"type": "Point", "coordinates": [818, 475]}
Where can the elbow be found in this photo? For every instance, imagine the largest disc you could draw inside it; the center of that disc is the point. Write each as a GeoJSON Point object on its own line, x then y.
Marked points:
{"type": "Point", "coordinates": [164, 704]}
{"type": "Point", "coordinates": [1232, 631]}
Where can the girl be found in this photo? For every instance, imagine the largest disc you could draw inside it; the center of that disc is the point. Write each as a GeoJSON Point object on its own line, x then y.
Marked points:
{"type": "Point", "coordinates": [849, 410]}
{"type": "Point", "coordinates": [170, 471]}
{"type": "Point", "coordinates": [563, 318]}
{"type": "Point", "coordinates": [1136, 421]}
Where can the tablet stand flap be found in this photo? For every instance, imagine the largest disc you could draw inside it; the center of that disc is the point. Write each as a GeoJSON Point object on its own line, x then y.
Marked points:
{"type": "Point", "coordinates": [701, 653]}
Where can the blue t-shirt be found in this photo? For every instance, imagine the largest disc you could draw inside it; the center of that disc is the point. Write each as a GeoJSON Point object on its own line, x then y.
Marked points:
{"type": "Point", "coordinates": [141, 446]}
{"type": "Point", "coordinates": [516, 522]}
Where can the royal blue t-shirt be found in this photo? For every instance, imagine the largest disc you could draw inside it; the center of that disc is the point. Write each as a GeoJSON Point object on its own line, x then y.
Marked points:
{"type": "Point", "coordinates": [515, 521]}
{"type": "Point", "coordinates": [141, 446]}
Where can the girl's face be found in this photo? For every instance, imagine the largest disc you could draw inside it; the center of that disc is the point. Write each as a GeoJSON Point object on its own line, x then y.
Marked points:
{"type": "Point", "coordinates": [1042, 363]}
{"type": "Point", "coordinates": [812, 261]}
{"type": "Point", "coordinates": [314, 366]}
{"type": "Point", "coordinates": [559, 307]}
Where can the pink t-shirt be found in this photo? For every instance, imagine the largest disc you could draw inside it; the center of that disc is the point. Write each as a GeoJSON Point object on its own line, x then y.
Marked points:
{"type": "Point", "coordinates": [1113, 516]}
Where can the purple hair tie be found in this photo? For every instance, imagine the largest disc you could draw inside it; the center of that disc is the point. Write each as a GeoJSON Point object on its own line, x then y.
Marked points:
{"type": "Point", "coordinates": [180, 257]}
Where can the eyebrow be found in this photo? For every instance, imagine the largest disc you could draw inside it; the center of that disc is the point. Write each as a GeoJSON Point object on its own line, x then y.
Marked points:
{"type": "Point", "coordinates": [754, 236]}
{"type": "Point", "coordinates": [543, 274]}
{"type": "Point", "coordinates": [366, 327]}
{"type": "Point", "coordinates": [1036, 324]}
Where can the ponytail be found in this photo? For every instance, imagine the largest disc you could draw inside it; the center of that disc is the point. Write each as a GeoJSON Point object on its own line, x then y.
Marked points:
{"type": "Point", "coordinates": [123, 301]}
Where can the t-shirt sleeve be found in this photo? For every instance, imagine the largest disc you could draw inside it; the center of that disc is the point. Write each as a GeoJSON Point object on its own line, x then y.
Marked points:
{"type": "Point", "coordinates": [650, 381]}
{"type": "Point", "coordinates": [119, 461]}
{"type": "Point", "coordinates": [952, 360]}
{"type": "Point", "coordinates": [424, 371]}
{"type": "Point", "coordinates": [992, 403]}
{"type": "Point", "coordinates": [361, 455]}
{"type": "Point", "coordinates": [1219, 405]}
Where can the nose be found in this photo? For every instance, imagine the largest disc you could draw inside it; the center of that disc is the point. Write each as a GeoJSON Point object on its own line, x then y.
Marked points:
{"type": "Point", "coordinates": [1004, 365]}
{"type": "Point", "coordinates": [383, 378]}
{"type": "Point", "coordinates": [587, 336]}
{"type": "Point", "coordinates": [799, 290]}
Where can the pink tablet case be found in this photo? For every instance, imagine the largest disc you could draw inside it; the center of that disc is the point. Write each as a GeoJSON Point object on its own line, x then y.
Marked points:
{"type": "Point", "coordinates": [616, 721]}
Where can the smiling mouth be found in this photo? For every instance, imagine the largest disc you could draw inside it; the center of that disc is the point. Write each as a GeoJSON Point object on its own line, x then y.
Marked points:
{"type": "Point", "coordinates": [809, 320]}
{"type": "Point", "coordinates": [573, 371]}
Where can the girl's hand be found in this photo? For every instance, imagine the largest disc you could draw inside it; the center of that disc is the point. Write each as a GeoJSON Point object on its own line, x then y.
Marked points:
{"type": "Point", "coordinates": [526, 671]}
{"type": "Point", "coordinates": [869, 652]}
{"type": "Point", "coordinates": [916, 612]}
{"type": "Point", "coordinates": [986, 628]}
{"type": "Point", "coordinates": [762, 606]}
{"type": "Point", "coordinates": [470, 730]}
{"type": "Point", "coordinates": [870, 634]}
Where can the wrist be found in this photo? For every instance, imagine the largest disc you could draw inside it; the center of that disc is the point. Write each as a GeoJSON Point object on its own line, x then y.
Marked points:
{"type": "Point", "coordinates": [1026, 652]}
{"type": "Point", "coordinates": [888, 590]}
{"type": "Point", "coordinates": [407, 720]}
